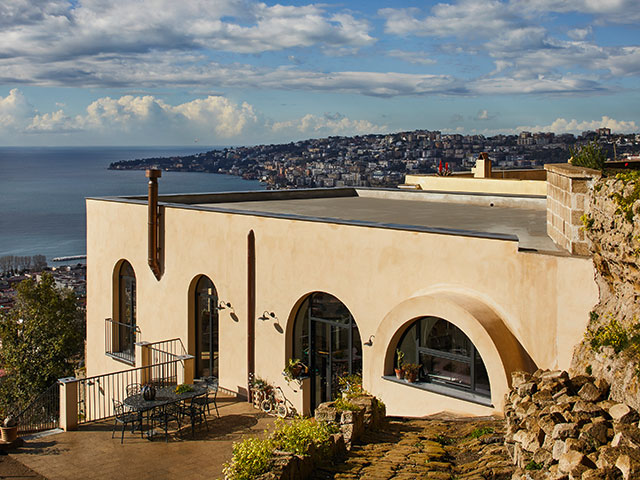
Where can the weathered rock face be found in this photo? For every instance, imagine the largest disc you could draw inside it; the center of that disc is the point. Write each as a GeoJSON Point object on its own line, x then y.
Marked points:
{"type": "Point", "coordinates": [573, 431]}
{"type": "Point", "coordinates": [614, 241]}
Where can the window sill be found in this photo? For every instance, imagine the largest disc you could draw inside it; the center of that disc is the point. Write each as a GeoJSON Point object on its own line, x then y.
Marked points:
{"type": "Point", "coordinates": [122, 357]}
{"type": "Point", "coordinates": [442, 390]}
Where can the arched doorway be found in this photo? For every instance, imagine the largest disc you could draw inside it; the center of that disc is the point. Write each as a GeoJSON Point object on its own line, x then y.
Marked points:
{"type": "Point", "coordinates": [206, 328]}
{"type": "Point", "coordinates": [326, 338]}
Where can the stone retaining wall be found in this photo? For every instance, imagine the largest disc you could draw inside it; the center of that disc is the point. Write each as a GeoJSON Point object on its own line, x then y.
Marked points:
{"type": "Point", "coordinates": [352, 425]}
{"type": "Point", "coordinates": [565, 428]}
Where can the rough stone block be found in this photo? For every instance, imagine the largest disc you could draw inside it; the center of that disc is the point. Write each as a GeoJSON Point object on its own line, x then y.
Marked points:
{"type": "Point", "coordinates": [563, 431]}
{"type": "Point", "coordinates": [573, 461]}
{"type": "Point", "coordinates": [622, 413]}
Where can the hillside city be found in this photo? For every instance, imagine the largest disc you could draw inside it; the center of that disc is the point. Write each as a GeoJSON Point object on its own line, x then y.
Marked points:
{"type": "Point", "coordinates": [384, 160]}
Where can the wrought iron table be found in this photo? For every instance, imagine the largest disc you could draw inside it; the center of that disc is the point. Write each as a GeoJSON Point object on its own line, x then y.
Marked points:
{"type": "Point", "coordinates": [164, 396]}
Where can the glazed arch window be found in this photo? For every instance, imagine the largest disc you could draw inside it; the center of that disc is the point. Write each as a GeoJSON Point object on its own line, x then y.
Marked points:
{"type": "Point", "coordinates": [446, 356]}
{"type": "Point", "coordinates": [122, 330]}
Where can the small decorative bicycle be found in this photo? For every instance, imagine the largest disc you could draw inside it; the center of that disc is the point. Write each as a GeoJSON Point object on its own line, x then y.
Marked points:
{"type": "Point", "coordinates": [276, 403]}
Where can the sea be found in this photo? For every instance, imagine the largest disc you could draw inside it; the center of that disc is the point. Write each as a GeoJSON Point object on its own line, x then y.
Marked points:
{"type": "Point", "coordinates": [43, 191]}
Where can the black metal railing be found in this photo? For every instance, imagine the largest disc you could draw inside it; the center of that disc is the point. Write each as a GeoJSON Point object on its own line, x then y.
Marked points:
{"type": "Point", "coordinates": [95, 394]}
{"type": "Point", "coordinates": [42, 413]}
{"type": "Point", "coordinates": [166, 350]}
{"type": "Point", "coordinates": [120, 340]}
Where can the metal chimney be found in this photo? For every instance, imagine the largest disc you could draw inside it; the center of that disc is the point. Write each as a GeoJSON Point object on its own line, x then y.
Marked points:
{"type": "Point", "coordinates": [154, 247]}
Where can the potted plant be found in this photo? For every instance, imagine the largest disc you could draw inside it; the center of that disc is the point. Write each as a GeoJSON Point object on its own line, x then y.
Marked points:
{"type": "Point", "coordinates": [294, 370]}
{"type": "Point", "coordinates": [411, 372]}
{"type": "Point", "coordinates": [400, 362]}
{"type": "Point", "coordinates": [9, 429]}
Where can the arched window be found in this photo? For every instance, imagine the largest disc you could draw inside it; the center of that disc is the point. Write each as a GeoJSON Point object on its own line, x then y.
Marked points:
{"type": "Point", "coordinates": [206, 331]}
{"type": "Point", "coordinates": [327, 340]}
{"type": "Point", "coordinates": [446, 356]}
{"type": "Point", "coordinates": [122, 329]}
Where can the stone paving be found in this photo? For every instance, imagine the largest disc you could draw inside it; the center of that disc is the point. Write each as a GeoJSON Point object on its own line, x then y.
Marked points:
{"type": "Point", "coordinates": [90, 452]}
{"type": "Point", "coordinates": [440, 447]}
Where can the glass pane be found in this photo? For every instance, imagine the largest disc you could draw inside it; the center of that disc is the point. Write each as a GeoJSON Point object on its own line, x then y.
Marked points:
{"type": "Point", "coordinates": [445, 371]}
{"type": "Point", "coordinates": [328, 307]}
{"type": "Point", "coordinates": [438, 334]}
{"type": "Point", "coordinates": [482, 378]}
{"type": "Point", "coordinates": [301, 334]}
{"type": "Point", "coordinates": [206, 329]}
{"type": "Point", "coordinates": [127, 313]}
{"type": "Point", "coordinates": [408, 344]}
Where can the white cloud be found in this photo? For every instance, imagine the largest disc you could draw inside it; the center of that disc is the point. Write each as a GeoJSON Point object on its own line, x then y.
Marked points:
{"type": "Point", "coordinates": [15, 111]}
{"type": "Point", "coordinates": [561, 125]}
{"type": "Point", "coordinates": [483, 115]}
{"type": "Point", "coordinates": [212, 119]}
{"type": "Point", "coordinates": [579, 33]}
{"type": "Point", "coordinates": [606, 11]}
{"type": "Point", "coordinates": [421, 58]}
{"type": "Point", "coordinates": [327, 124]}
{"type": "Point", "coordinates": [467, 18]}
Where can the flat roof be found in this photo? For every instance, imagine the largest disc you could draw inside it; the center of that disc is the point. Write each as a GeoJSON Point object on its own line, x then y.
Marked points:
{"type": "Point", "coordinates": [528, 224]}
{"type": "Point", "coordinates": [521, 218]}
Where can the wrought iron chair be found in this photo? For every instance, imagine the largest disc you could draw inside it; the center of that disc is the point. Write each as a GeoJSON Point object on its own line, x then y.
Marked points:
{"type": "Point", "coordinates": [195, 411]}
{"type": "Point", "coordinates": [162, 416]}
{"type": "Point", "coordinates": [124, 417]}
{"type": "Point", "coordinates": [210, 397]}
{"type": "Point", "coordinates": [134, 389]}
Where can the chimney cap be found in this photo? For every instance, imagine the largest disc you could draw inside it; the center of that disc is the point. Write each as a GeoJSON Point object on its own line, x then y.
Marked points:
{"type": "Point", "coordinates": [153, 173]}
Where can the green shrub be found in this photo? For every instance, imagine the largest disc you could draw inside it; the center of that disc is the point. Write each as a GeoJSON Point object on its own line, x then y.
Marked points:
{"type": "Point", "coordinates": [612, 334]}
{"type": "Point", "coordinates": [533, 465]}
{"type": "Point", "coordinates": [343, 405]}
{"type": "Point", "coordinates": [587, 222]}
{"type": "Point", "coordinates": [351, 385]}
{"type": "Point", "coordinates": [296, 436]}
{"type": "Point", "coordinates": [589, 155]}
{"type": "Point", "coordinates": [625, 203]}
{"type": "Point", "coordinates": [478, 432]}
{"type": "Point", "coordinates": [251, 457]}
{"type": "Point", "coordinates": [443, 439]}
{"type": "Point", "coordinates": [588, 370]}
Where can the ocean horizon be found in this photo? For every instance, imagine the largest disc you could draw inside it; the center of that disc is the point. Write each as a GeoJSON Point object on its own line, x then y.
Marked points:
{"type": "Point", "coordinates": [43, 191]}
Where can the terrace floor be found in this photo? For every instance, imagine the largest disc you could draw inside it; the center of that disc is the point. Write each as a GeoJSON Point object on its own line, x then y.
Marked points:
{"type": "Point", "coordinates": [90, 452]}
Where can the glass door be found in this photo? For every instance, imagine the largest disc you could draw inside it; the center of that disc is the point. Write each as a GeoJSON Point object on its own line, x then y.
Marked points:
{"type": "Point", "coordinates": [206, 329]}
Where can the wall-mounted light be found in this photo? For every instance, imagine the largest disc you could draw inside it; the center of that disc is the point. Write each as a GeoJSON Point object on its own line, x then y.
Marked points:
{"type": "Point", "coordinates": [266, 315]}
{"type": "Point", "coordinates": [223, 305]}
{"type": "Point", "coordinates": [369, 342]}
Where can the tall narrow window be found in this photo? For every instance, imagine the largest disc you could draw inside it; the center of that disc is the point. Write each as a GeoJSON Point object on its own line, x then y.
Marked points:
{"type": "Point", "coordinates": [206, 313]}
{"type": "Point", "coordinates": [121, 331]}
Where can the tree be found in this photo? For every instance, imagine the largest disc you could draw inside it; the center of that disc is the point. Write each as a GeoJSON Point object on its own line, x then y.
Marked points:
{"type": "Point", "coordinates": [42, 339]}
{"type": "Point", "coordinates": [589, 155]}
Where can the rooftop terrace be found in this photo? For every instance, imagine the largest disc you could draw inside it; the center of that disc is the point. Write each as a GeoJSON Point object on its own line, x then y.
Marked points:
{"type": "Point", "coordinates": [519, 218]}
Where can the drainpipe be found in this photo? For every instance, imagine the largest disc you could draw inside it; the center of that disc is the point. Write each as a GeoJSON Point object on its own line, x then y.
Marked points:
{"type": "Point", "coordinates": [154, 257]}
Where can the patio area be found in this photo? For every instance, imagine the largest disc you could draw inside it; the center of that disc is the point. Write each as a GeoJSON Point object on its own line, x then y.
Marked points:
{"type": "Point", "coordinates": [90, 452]}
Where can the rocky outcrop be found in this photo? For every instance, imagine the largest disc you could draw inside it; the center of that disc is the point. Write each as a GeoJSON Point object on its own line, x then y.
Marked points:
{"type": "Point", "coordinates": [562, 427]}
{"type": "Point", "coordinates": [609, 350]}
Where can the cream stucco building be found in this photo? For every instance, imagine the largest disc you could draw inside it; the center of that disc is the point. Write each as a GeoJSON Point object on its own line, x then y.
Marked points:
{"type": "Point", "coordinates": [466, 284]}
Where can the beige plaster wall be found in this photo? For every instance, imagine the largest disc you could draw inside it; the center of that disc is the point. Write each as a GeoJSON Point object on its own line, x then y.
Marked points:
{"type": "Point", "coordinates": [457, 183]}
{"type": "Point", "coordinates": [518, 308]}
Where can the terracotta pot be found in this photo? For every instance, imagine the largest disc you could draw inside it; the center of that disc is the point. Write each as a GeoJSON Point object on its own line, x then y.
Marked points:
{"type": "Point", "coordinates": [9, 434]}
{"type": "Point", "coordinates": [411, 376]}
{"type": "Point", "coordinates": [399, 373]}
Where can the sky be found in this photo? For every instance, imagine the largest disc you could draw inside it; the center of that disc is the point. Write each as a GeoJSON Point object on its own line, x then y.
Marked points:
{"type": "Point", "coordinates": [239, 72]}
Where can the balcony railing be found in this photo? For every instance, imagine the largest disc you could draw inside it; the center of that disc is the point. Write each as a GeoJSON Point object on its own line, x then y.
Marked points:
{"type": "Point", "coordinates": [95, 395]}
{"type": "Point", "coordinates": [120, 340]}
{"type": "Point", "coordinates": [42, 413]}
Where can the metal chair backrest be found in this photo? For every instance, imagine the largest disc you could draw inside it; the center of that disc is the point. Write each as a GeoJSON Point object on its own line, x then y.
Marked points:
{"type": "Point", "coordinates": [133, 389]}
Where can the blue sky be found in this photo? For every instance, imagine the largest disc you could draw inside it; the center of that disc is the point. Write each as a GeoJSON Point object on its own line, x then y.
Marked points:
{"type": "Point", "coordinates": [237, 72]}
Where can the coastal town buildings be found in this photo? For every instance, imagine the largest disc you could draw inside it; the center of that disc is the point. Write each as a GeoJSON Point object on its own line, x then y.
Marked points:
{"type": "Point", "coordinates": [467, 285]}
{"type": "Point", "coordinates": [383, 160]}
